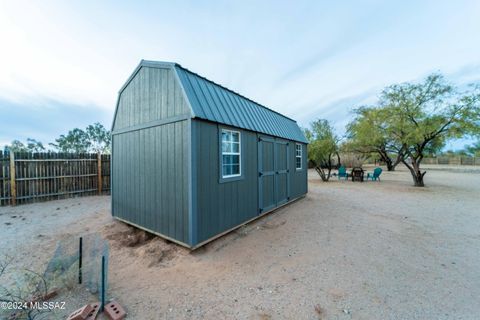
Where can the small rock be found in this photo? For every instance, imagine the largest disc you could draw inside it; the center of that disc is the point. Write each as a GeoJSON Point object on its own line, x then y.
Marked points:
{"type": "Point", "coordinates": [8, 223]}
{"type": "Point", "coordinates": [346, 311]}
{"type": "Point", "coordinates": [58, 208]}
{"type": "Point", "coordinates": [13, 217]}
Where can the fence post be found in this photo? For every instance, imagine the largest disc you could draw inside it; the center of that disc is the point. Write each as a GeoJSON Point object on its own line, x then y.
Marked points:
{"type": "Point", "coordinates": [99, 173]}
{"type": "Point", "coordinates": [13, 188]}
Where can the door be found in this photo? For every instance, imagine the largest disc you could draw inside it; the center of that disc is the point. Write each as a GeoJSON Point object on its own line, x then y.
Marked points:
{"type": "Point", "coordinates": [273, 173]}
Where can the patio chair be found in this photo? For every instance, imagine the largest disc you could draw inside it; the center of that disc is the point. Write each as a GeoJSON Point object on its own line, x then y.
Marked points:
{"type": "Point", "coordinates": [342, 173]}
{"type": "Point", "coordinates": [375, 175]}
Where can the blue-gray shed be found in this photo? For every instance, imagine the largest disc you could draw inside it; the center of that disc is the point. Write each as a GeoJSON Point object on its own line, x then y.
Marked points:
{"type": "Point", "coordinates": [192, 160]}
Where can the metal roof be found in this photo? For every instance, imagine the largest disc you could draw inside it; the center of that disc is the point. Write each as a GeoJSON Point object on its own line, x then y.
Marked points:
{"type": "Point", "coordinates": [213, 102]}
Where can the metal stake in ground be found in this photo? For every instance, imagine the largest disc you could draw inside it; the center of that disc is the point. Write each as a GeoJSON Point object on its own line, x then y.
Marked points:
{"type": "Point", "coordinates": [80, 245]}
{"type": "Point", "coordinates": [103, 284]}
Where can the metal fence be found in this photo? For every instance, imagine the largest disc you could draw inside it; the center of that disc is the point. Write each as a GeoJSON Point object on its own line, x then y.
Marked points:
{"type": "Point", "coordinates": [29, 177]}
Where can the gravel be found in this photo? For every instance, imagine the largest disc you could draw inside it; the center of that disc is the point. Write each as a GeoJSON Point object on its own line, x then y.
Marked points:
{"type": "Point", "coordinates": [372, 250]}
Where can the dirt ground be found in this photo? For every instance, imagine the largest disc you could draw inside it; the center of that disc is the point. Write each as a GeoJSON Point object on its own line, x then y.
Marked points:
{"type": "Point", "coordinates": [373, 250]}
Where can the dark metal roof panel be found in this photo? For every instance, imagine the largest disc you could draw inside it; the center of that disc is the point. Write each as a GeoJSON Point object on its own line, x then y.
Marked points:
{"type": "Point", "coordinates": [213, 102]}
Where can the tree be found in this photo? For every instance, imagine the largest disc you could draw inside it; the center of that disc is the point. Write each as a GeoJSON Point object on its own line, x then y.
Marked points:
{"type": "Point", "coordinates": [368, 134]}
{"type": "Point", "coordinates": [473, 149]}
{"type": "Point", "coordinates": [95, 138]}
{"type": "Point", "coordinates": [75, 140]}
{"type": "Point", "coordinates": [16, 146]}
{"type": "Point", "coordinates": [422, 117]}
{"type": "Point", "coordinates": [34, 145]}
{"type": "Point", "coordinates": [31, 146]}
{"type": "Point", "coordinates": [99, 137]}
{"type": "Point", "coordinates": [323, 147]}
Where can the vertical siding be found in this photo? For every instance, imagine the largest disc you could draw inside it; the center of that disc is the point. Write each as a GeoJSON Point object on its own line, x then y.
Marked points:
{"type": "Point", "coordinates": [150, 183]}
{"type": "Point", "coordinates": [150, 186]}
{"type": "Point", "coordinates": [153, 94]}
{"type": "Point", "coordinates": [298, 178]}
{"type": "Point", "coordinates": [221, 206]}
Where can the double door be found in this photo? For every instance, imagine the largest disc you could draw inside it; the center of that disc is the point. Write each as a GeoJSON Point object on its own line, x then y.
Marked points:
{"type": "Point", "coordinates": [273, 173]}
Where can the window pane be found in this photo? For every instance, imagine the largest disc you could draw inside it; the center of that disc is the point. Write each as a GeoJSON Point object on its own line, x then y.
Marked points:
{"type": "Point", "coordinates": [235, 169]}
{"type": "Point", "coordinates": [236, 147]}
{"type": "Point", "coordinates": [227, 170]}
{"type": "Point", "coordinates": [235, 136]}
{"type": "Point", "coordinates": [235, 159]}
{"type": "Point", "coordinates": [227, 159]}
{"type": "Point", "coordinates": [224, 146]}
{"type": "Point", "coordinates": [298, 162]}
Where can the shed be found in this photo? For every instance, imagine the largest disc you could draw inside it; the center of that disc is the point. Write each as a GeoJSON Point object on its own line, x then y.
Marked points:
{"type": "Point", "coordinates": [192, 160]}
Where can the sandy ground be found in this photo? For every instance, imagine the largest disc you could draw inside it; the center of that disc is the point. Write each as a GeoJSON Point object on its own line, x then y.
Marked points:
{"type": "Point", "coordinates": [374, 250]}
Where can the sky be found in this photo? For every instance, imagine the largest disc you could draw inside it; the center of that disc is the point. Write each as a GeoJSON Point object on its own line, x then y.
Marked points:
{"type": "Point", "coordinates": [63, 62]}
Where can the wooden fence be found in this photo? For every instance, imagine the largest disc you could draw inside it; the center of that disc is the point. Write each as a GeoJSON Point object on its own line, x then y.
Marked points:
{"type": "Point", "coordinates": [30, 177]}
{"type": "Point", "coordinates": [458, 160]}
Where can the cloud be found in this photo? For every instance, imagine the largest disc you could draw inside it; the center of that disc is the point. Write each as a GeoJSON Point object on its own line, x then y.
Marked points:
{"type": "Point", "coordinates": [46, 120]}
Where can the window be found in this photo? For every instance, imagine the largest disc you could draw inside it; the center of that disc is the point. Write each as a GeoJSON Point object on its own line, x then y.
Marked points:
{"type": "Point", "coordinates": [298, 156]}
{"type": "Point", "coordinates": [231, 164]}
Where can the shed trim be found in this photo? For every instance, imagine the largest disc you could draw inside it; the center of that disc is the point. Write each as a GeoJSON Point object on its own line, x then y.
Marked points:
{"type": "Point", "coordinates": [241, 176]}
{"type": "Point", "coordinates": [154, 123]}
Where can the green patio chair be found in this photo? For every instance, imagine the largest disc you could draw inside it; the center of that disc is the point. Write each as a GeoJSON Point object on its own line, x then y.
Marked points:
{"type": "Point", "coordinates": [342, 173]}
{"type": "Point", "coordinates": [375, 175]}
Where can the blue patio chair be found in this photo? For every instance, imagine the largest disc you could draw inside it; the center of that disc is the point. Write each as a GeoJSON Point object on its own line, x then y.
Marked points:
{"type": "Point", "coordinates": [342, 173]}
{"type": "Point", "coordinates": [375, 175]}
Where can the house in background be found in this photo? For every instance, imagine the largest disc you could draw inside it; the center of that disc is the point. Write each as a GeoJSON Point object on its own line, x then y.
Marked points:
{"type": "Point", "coordinates": [192, 160]}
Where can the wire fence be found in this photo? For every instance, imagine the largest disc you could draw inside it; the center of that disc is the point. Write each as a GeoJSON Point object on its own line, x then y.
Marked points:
{"type": "Point", "coordinates": [30, 177]}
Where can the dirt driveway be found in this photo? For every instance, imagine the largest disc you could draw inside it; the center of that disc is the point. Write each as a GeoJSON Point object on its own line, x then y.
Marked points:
{"type": "Point", "coordinates": [346, 251]}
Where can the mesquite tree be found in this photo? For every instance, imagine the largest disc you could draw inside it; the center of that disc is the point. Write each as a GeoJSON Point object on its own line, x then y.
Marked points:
{"type": "Point", "coordinates": [421, 117]}
{"type": "Point", "coordinates": [368, 134]}
{"type": "Point", "coordinates": [323, 147]}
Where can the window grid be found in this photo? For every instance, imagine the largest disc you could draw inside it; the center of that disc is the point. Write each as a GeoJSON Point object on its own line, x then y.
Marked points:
{"type": "Point", "coordinates": [298, 156]}
{"type": "Point", "coordinates": [231, 154]}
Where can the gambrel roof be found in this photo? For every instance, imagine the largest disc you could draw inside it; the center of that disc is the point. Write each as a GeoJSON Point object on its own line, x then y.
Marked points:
{"type": "Point", "coordinates": [213, 102]}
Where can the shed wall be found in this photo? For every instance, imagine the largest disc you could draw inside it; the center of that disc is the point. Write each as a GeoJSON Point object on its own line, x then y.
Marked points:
{"type": "Point", "coordinates": [150, 163]}
{"type": "Point", "coordinates": [152, 94]}
{"type": "Point", "coordinates": [298, 178]}
{"type": "Point", "coordinates": [220, 206]}
{"type": "Point", "coordinates": [150, 181]}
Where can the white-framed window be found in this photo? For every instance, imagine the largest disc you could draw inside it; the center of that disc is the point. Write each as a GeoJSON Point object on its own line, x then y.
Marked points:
{"type": "Point", "coordinates": [298, 156]}
{"type": "Point", "coordinates": [231, 154]}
